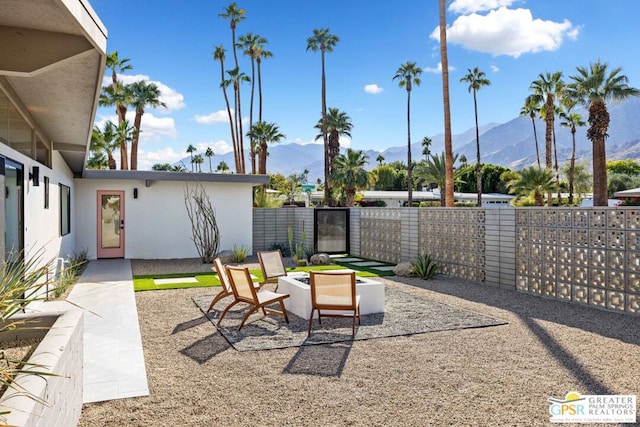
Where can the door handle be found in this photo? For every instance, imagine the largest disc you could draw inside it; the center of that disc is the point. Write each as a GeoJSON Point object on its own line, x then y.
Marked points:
{"type": "Point", "coordinates": [122, 224]}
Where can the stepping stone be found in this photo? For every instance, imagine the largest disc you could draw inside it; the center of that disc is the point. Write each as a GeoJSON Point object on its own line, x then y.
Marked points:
{"type": "Point", "coordinates": [368, 263]}
{"type": "Point", "coordinates": [384, 268]}
{"type": "Point", "coordinates": [175, 280]}
{"type": "Point", "coordinates": [350, 260]}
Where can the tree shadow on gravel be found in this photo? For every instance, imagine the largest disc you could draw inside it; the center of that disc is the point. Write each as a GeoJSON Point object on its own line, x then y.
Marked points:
{"type": "Point", "coordinates": [189, 324]}
{"type": "Point", "coordinates": [532, 309]}
{"type": "Point", "coordinates": [325, 360]}
{"type": "Point", "coordinates": [206, 348]}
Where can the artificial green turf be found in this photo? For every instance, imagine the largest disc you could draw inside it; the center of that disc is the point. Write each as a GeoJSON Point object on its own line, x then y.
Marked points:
{"type": "Point", "coordinates": [146, 283]}
{"type": "Point", "coordinates": [366, 269]}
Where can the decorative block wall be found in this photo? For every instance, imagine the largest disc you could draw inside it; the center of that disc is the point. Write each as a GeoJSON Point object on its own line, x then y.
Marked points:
{"type": "Point", "coordinates": [587, 256]}
{"type": "Point", "coordinates": [381, 234]}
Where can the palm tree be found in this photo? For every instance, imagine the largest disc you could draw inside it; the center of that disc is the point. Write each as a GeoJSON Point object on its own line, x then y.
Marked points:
{"type": "Point", "coordinates": [222, 167]}
{"type": "Point", "coordinates": [463, 160]}
{"type": "Point", "coordinates": [219, 55]}
{"type": "Point", "coordinates": [323, 41]}
{"type": "Point", "coordinates": [191, 149]}
{"type": "Point", "coordinates": [167, 167]}
{"type": "Point", "coordinates": [545, 90]}
{"type": "Point", "coordinates": [248, 43]}
{"type": "Point", "coordinates": [531, 108]}
{"type": "Point", "coordinates": [237, 77]}
{"type": "Point", "coordinates": [426, 147]}
{"type": "Point", "coordinates": [380, 159]}
{"type": "Point", "coordinates": [572, 121]}
{"type": "Point", "coordinates": [338, 124]}
{"type": "Point", "coordinates": [264, 133]}
{"type": "Point", "coordinates": [234, 15]}
{"type": "Point", "coordinates": [198, 160]}
{"type": "Point", "coordinates": [408, 74]}
{"type": "Point", "coordinates": [435, 171]}
{"type": "Point", "coordinates": [118, 95]}
{"type": "Point", "coordinates": [594, 86]}
{"type": "Point", "coordinates": [448, 147]}
{"type": "Point", "coordinates": [142, 95]}
{"type": "Point", "coordinates": [533, 180]}
{"type": "Point", "coordinates": [209, 153]}
{"type": "Point", "coordinates": [106, 140]}
{"type": "Point", "coordinates": [476, 80]}
{"type": "Point", "coordinates": [349, 174]}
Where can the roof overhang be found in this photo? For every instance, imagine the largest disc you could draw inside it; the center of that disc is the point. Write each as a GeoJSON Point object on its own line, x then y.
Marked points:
{"type": "Point", "coordinates": [149, 177]}
{"type": "Point", "coordinates": [52, 60]}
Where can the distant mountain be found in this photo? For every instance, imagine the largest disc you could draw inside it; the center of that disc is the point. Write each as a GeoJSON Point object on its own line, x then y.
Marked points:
{"type": "Point", "coordinates": [510, 144]}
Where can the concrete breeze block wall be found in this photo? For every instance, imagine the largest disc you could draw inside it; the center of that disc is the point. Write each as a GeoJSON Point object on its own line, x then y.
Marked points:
{"type": "Point", "coordinates": [60, 353]}
{"type": "Point", "coordinates": [588, 256]}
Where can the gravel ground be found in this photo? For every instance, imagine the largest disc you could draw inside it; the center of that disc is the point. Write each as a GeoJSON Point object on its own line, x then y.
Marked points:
{"type": "Point", "coordinates": [490, 376]}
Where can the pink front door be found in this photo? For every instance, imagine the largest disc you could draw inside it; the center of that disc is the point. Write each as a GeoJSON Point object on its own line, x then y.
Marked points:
{"type": "Point", "coordinates": [110, 224]}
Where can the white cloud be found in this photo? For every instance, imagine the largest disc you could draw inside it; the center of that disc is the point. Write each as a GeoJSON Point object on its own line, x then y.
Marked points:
{"type": "Point", "coordinates": [345, 142]}
{"type": "Point", "coordinates": [373, 89]}
{"type": "Point", "coordinates": [172, 98]}
{"type": "Point", "coordinates": [509, 32]}
{"type": "Point", "coordinates": [217, 117]}
{"type": "Point", "coordinates": [469, 6]}
{"type": "Point", "coordinates": [152, 128]}
{"type": "Point", "coordinates": [494, 68]}
{"type": "Point", "coordinates": [146, 159]}
{"type": "Point", "coordinates": [437, 69]}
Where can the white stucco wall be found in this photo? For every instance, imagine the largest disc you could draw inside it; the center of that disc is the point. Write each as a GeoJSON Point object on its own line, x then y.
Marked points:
{"type": "Point", "coordinates": [42, 226]}
{"type": "Point", "coordinates": [156, 223]}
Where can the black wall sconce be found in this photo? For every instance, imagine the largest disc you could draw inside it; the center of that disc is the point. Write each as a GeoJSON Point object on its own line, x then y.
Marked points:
{"type": "Point", "coordinates": [35, 176]}
{"type": "Point", "coordinates": [135, 193]}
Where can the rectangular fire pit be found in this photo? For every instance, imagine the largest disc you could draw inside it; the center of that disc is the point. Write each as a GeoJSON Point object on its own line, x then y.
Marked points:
{"type": "Point", "coordinates": [299, 301]}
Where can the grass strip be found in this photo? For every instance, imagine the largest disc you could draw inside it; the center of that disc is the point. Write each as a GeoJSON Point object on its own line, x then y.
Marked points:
{"type": "Point", "coordinates": [147, 283]}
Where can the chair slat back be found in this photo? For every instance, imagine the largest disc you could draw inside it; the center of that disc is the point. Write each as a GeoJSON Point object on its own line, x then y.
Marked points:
{"type": "Point", "coordinates": [241, 284]}
{"type": "Point", "coordinates": [222, 274]}
{"type": "Point", "coordinates": [333, 290]}
{"type": "Point", "coordinates": [272, 264]}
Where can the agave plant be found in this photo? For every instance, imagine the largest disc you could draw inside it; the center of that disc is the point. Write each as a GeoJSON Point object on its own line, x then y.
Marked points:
{"type": "Point", "coordinates": [22, 281]}
{"type": "Point", "coordinates": [425, 267]}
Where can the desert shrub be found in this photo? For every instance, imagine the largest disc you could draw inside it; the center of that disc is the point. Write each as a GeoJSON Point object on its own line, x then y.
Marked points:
{"type": "Point", "coordinates": [282, 247]}
{"type": "Point", "coordinates": [240, 253]}
{"type": "Point", "coordinates": [425, 267]}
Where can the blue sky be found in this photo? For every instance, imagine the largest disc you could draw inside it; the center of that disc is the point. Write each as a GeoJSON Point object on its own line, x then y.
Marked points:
{"type": "Point", "coordinates": [171, 43]}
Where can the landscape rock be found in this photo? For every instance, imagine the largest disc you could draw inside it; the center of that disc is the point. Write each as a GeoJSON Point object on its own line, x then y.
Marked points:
{"type": "Point", "coordinates": [226, 256]}
{"type": "Point", "coordinates": [320, 259]}
{"type": "Point", "coordinates": [403, 269]}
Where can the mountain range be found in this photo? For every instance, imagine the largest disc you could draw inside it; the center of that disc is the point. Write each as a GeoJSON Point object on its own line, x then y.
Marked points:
{"type": "Point", "coordinates": [510, 144]}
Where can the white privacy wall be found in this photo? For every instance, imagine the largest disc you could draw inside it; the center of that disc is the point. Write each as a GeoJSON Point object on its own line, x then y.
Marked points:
{"type": "Point", "coordinates": [156, 223]}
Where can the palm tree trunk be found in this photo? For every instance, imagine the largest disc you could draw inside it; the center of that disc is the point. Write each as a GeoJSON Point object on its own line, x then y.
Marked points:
{"type": "Point", "coordinates": [448, 148]}
{"type": "Point", "coordinates": [124, 151]}
{"type": "Point", "coordinates": [535, 138]}
{"type": "Point", "coordinates": [409, 168]}
{"type": "Point", "coordinates": [237, 130]}
{"type": "Point", "coordinates": [327, 191]}
{"type": "Point", "coordinates": [549, 140]}
{"type": "Point", "coordinates": [226, 101]}
{"type": "Point", "coordinates": [572, 164]}
{"type": "Point", "coordinates": [478, 164]}
{"type": "Point", "coordinates": [134, 140]}
{"type": "Point", "coordinates": [259, 90]}
{"type": "Point", "coordinates": [251, 143]}
{"type": "Point", "coordinates": [241, 145]}
{"type": "Point", "coordinates": [599, 121]}
{"type": "Point", "coordinates": [555, 165]}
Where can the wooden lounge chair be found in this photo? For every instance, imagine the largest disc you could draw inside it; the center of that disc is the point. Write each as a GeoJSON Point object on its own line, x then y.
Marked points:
{"type": "Point", "coordinates": [224, 281]}
{"type": "Point", "coordinates": [272, 266]}
{"type": "Point", "coordinates": [333, 293]}
{"type": "Point", "coordinates": [244, 291]}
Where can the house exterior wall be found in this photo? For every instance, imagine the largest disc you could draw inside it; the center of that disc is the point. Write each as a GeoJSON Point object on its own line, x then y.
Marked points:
{"type": "Point", "coordinates": [156, 223]}
{"type": "Point", "coordinates": [42, 226]}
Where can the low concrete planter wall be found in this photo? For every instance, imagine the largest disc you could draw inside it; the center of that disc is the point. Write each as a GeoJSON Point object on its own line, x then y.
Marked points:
{"type": "Point", "coordinates": [60, 352]}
